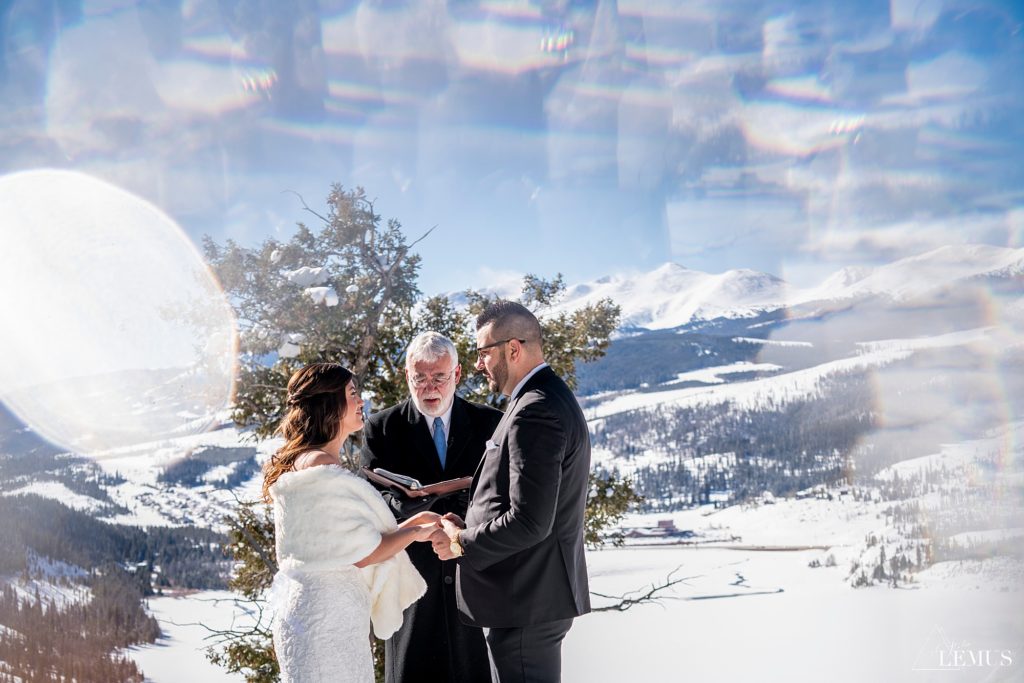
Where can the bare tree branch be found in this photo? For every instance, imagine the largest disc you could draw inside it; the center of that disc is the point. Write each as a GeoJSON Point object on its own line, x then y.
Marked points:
{"type": "Point", "coordinates": [420, 238]}
{"type": "Point", "coordinates": [636, 597]}
{"type": "Point", "coordinates": [304, 205]}
{"type": "Point", "coordinates": [233, 634]}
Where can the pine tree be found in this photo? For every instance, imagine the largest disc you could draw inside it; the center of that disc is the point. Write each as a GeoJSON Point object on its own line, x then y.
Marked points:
{"type": "Point", "coordinates": [343, 293]}
{"type": "Point", "coordinates": [347, 293]}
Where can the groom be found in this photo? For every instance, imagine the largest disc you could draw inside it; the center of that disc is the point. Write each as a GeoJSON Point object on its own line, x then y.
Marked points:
{"type": "Point", "coordinates": [522, 573]}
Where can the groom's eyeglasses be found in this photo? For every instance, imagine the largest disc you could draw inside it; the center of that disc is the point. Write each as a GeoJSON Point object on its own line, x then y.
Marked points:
{"type": "Point", "coordinates": [420, 381]}
{"type": "Point", "coordinates": [498, 343]}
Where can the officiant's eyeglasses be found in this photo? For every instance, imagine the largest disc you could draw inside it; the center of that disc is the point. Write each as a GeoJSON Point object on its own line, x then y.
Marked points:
{"type": "Point", "coordinates": [420, 381]}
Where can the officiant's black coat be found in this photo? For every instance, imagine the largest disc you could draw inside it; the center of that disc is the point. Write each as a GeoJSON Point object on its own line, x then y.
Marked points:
{"type": "Point", "coordinates": [433, 644]}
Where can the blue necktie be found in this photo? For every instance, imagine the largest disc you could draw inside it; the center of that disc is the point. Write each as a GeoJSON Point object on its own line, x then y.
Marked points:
{"type": "Point", "coordinates": [439, 441]}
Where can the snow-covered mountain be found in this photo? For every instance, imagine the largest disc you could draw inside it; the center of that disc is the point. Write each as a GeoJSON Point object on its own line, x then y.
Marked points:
{"type": "Point", "coordinates": [921, 275]}
{"type": "Point", "coordinates": [671, 295]}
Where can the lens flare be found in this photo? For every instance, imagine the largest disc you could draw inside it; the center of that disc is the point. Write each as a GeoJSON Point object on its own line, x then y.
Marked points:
{"type": "Point", "coordinates": [115, 331]}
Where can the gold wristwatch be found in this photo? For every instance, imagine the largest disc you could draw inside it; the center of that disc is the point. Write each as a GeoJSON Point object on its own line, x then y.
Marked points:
{"type": "Point", "coordinates": [456, 546]}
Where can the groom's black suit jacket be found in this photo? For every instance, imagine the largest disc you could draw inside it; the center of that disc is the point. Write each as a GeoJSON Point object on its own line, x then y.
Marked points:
{"type": "Point", "coordinates": [432, 644]}
{"type": "Point", "coordinates": [523, 541]}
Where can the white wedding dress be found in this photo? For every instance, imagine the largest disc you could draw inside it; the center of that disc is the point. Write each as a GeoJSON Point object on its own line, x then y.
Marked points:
{"type": "Point", "coordinates": [326, 519]}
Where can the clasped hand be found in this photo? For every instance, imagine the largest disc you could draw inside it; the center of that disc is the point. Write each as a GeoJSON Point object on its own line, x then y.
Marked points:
{"type": "Point", "coordinates": [423, 524]}
{"type": "Point", "coordinates": [440, 531]}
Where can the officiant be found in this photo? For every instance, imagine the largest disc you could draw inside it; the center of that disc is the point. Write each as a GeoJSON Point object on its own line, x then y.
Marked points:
{"type": "Point", "coordinates": [432, 436]}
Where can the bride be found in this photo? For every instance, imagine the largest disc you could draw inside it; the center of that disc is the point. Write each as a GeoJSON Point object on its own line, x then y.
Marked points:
{"type": "Point", "coordinates": [341, 557]}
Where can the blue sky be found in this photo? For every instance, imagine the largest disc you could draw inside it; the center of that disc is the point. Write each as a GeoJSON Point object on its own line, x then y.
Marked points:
{"type": "Point", "coordinates": [581, 137]}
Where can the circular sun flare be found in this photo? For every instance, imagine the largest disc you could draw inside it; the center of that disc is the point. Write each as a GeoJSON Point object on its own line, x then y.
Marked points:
{"type": "Point", "coordinates": [114, 331]}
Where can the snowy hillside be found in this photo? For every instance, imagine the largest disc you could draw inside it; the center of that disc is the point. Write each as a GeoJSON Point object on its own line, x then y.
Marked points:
{"type": "Point", "coordinates": [140, 486]}
{"type": "Point", "coordinates": [781, 386]}
{"type": "Point", "coordinates": [151, 498]}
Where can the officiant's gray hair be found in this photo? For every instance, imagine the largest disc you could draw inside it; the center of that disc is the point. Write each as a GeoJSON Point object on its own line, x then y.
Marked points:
{"type": "Point", "coordinates": [431, 347]}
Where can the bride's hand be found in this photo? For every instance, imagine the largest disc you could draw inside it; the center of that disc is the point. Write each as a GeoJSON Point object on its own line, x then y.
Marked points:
{"type": "Point", "coordinates": [425, 532]}
{"type": "Point", "coordinates": [420, 518]}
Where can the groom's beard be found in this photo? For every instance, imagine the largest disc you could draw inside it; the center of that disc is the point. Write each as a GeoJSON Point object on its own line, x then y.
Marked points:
{"type": "Point", "coordinates": [498, 375]}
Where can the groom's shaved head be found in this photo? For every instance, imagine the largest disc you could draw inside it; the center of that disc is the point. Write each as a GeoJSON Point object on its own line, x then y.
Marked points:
{"type": "Point", "coordinates": [510, 320]}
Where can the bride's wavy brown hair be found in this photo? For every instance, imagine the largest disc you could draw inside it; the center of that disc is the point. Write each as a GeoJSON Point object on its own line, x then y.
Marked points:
{"type": "Point", "coordinates": [316, 404]}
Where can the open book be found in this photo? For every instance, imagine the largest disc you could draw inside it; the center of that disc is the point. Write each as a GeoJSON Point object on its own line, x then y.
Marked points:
{"type": "Point", "coordinates": [412, 487]}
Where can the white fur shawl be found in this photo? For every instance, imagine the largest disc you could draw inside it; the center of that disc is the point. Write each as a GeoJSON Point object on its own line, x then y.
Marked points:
{"type": "Point", "coordinates": [326, 518]}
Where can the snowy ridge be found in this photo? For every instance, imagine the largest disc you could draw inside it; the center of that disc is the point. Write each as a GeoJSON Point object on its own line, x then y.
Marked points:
{"type": "Point", "coordinates": [671, 295]}
{"type": "Point", "coordinates": [61, 594]}
{"type": "Point", "coordinates": [52, 581]}
{"type": "Point", "coordinates": [772, 342]}
{"type": "Point", "coordinates": [779, 388]}
{"type": "Point", "coordinates": [920, 275]}
{"type": "Point", "coordinates": [962, 338]}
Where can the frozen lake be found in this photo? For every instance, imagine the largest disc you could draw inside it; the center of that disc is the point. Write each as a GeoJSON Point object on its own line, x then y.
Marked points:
{"type": "Point", "coordinates": [179, 655]}
{"type": "Point", "coordinates": [762, 615]}
{"type": "Point", "coordinates": [739, 615]}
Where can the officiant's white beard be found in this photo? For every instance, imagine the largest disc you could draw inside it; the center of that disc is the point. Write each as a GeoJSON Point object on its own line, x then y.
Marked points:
{"type": "Point", "coordinates": [438, 410]}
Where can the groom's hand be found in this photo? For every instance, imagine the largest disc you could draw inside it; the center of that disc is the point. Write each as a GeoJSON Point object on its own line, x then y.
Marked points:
{"type": "Point", "coordinates": [451, 524]}
{"type": "Point", "coordinates": [441, 543]}
{"type": "Point", "coordinates": [453, 518]}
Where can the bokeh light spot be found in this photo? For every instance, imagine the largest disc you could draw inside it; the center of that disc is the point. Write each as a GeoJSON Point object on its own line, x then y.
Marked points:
{"type": "Point", "coordinates": [115, 332]}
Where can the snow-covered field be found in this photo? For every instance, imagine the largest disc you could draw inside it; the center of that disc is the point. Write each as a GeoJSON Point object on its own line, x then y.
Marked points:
{"type": "Point", "coordinates": [762, 615]}
{"type": "Point", "coordinates": [185, 621]}
{"type": "Point", "coordinates": [749, 606]}
{"type": "Point", "coordinates": [739, 615]}
{"type": "Point", "coordinates": [741, 612]}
